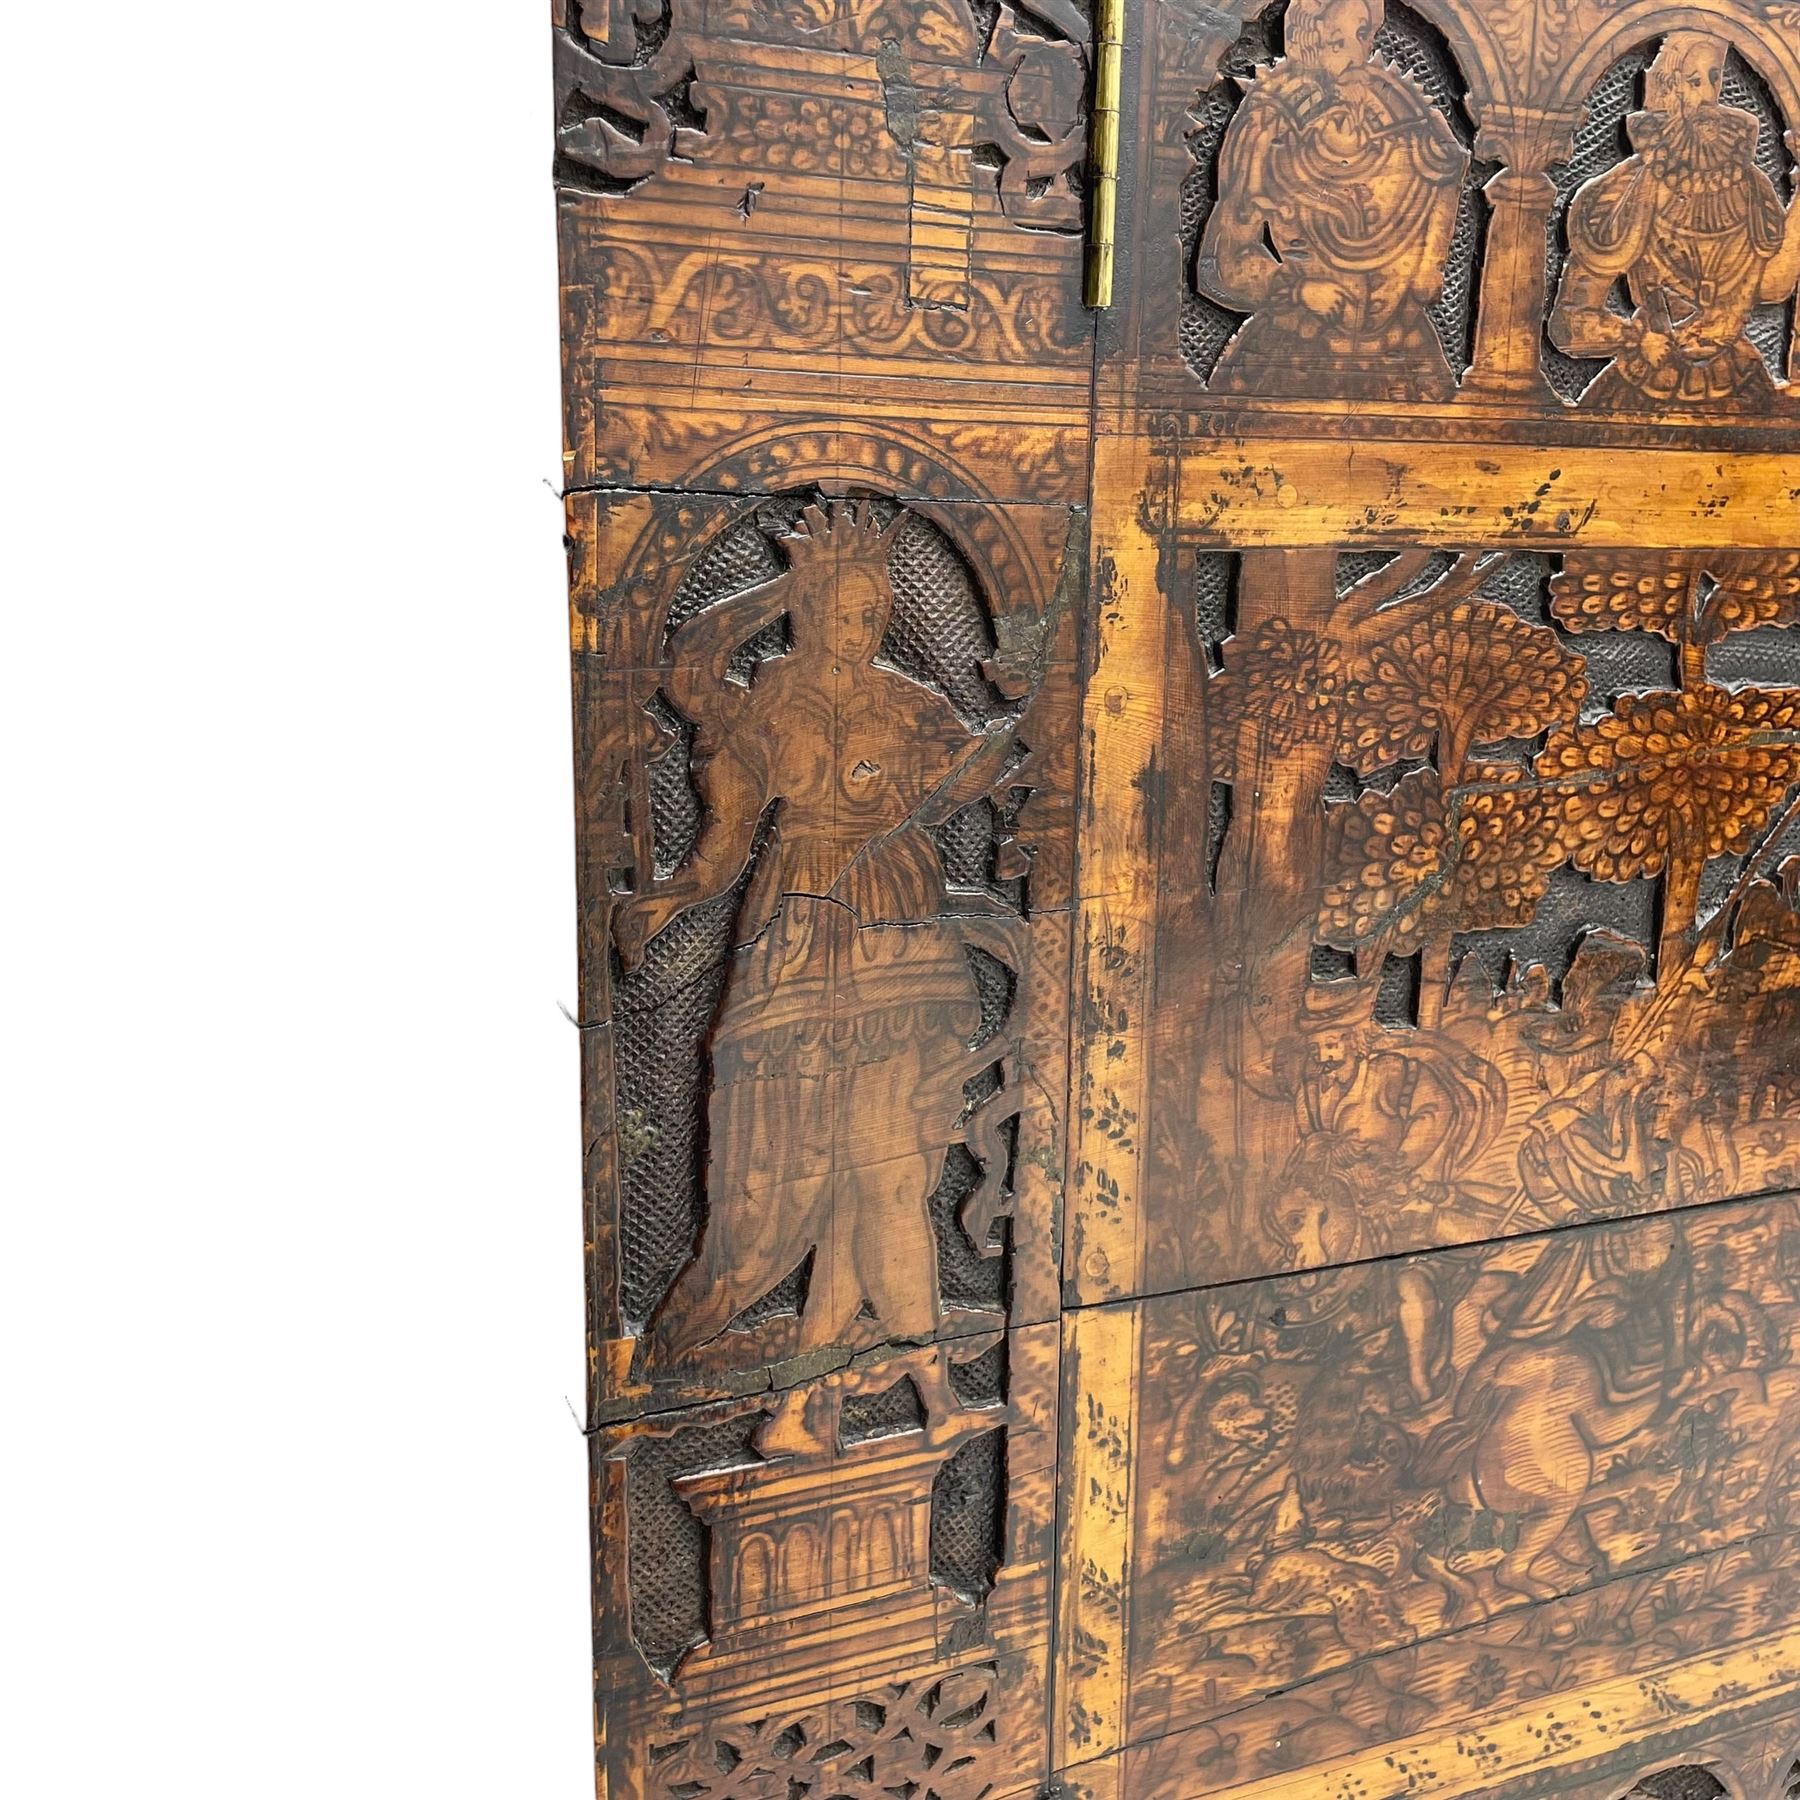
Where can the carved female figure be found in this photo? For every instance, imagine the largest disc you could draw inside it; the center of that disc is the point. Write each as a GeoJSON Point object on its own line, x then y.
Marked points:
{"type": "Point", "coordinates": [1698, 234]}
{"type": "Point", "coordinates": [843, 1038]}
{"type": "Point", "coordinates": [1338, 190]}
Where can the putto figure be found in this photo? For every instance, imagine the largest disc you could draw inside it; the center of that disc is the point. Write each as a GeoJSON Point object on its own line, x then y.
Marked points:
{"type": "Point", "coordinates": [1698, 234]}
{"type": "Point", "coordinates": [1338, 191]}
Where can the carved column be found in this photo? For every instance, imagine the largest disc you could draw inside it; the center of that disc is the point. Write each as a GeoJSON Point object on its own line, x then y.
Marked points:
{"type": "Point", "coordinates": [1509, 324]}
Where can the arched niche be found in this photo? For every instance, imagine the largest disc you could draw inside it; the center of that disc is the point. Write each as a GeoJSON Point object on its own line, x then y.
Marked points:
{"type": "Point", "coordinates": [1767, 48]}
{"type": "Point", "coordinates": [1614, 67]}
{"type": "Point", "coordinates": [1426, 45]}
{"type": "Point", "coordinates": [941, 635]}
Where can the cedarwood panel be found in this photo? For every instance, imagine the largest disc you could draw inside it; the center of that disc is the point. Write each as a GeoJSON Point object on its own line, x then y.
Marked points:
{"type": "Point", "coordinates": [773, 809]}
{"type": "Point", "coordinates": [1431, 519]}
{"type": "Point", "coordinates": [1190, 964]}
{"type": "Point", "coordinates": [1469, 903]}
{"type": "Point", "coordinates": [1429, 1491]}
{"type": "Point", "coordinates": [828, 388]}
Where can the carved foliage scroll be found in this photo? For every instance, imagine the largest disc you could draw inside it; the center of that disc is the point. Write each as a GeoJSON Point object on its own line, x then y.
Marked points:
{"type": "Point", "coordinates": [699, 149]}
{"type": "Point", "coordinates": [624, 75]}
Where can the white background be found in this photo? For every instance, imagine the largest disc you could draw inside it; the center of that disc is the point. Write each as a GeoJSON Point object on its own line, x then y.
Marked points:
{"type": "Point", "coordinates": [291, 1285]}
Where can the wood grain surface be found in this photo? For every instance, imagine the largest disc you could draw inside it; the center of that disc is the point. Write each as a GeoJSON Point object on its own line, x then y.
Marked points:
{"type": "Point", "coordinates": [1189, 914]}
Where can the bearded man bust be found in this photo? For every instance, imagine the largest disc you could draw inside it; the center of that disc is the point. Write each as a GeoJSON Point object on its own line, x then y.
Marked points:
{"type": "Point", "coordinates": [1700, 238]}
{"type": "Point", "coordinates": [1339, 185]}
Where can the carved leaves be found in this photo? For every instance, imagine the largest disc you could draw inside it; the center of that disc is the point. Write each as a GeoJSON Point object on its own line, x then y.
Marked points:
{"type": "Point", "coordinates": [1757, 588]}
{"type": "Point", "coordinates": [1285, 688]}
{"type": "Point", "coordinates": [1436, 672]}
{"type": "Point", "coordinates": [1396, 849]}
{"type": "Point", "coordinates": [1535, 34]}
{"type": "Point", "coordinates": [1415, 866]}
{"type": "Point", "coordinates": [1410, 675]}
{"type": "Point", "coordinates": [1454, 679]}
{"type": "Point", "coordinates": [1669, 780]}
{"type": "Point", "coordinates": [619, 82]}
{"type": "Point", "coordinates": [1656, 787]}
{"type": "Point", "coordinates": [1690, 600]}
{"type": "Point", "coordinates": [1641, 591]}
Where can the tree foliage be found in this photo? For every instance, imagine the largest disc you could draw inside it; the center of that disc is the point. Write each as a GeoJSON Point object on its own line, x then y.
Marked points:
{"type": "Point", "coordinates": [1472, 674]}
{"type": "Point", "coordinates": [1415, 863]}
{"type": "Point", "coordinates": [1693, 599]}
{"type": "Point", "coordinates": [1284, 685]}
{"type": "Point", "coordinates": [1672, 779]}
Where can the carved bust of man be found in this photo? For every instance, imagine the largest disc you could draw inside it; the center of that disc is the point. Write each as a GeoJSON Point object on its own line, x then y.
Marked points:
{"type": "Point", "coordinates": [1697, 232]}
{"type": "Point", "coordinates": [1338, 191]}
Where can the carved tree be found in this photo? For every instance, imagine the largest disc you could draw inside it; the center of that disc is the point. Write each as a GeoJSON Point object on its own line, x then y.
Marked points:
{"type": "Point", "coordinates": [1692, 777]}
{"type": "Point", "coordinates": [1666, 781]}
{"type": "Point", "coordinates": [1437, 855]}
{"type": "Point", "coordinates": [1452, 679]}
{"type": "Point", "coordinates": [1276, 712]}
{"type": "Point", "coordinates": [1419, 867]}
{"type": "Point", "coordinates": [1691, 600]}
{"type": "Point", "coordinates": [1283, 690]}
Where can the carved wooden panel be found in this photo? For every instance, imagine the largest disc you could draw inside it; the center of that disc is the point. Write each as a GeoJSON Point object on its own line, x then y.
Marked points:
{"type": "Point", "coordinates": [826, 803]}
{"type": "Point", "coordinates": [1452, 1476]}
{"type": "Point", "coordinates": [1477, 907]}
{"type": "Point", "coordinates": [1190, 914]}
{"type": "Point", "coordinates": [780, 223]}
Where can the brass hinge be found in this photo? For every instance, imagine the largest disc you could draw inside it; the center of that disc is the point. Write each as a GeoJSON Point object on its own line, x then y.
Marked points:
{"type": "Point", "coordinates": [1103, 196]}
